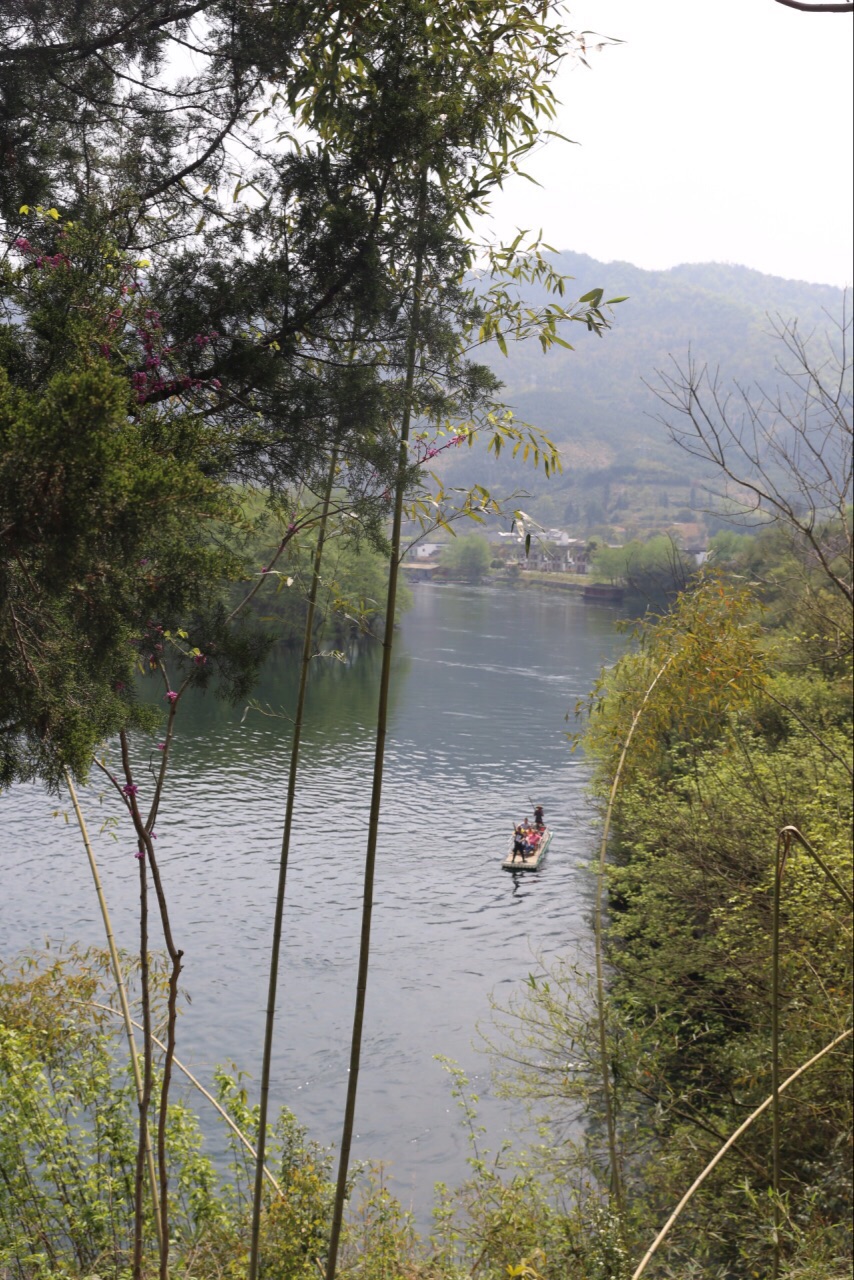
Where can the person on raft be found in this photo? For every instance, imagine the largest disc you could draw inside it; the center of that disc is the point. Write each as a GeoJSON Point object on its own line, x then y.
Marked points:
{"type": "Point", "coordinates": [539, 817]}
{"type": "Point", "coordinates": [519, 844]}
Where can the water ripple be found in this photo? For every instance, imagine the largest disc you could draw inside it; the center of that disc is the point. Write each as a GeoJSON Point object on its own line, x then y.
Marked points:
{"type": "Point", "coordinates": [477, 727]}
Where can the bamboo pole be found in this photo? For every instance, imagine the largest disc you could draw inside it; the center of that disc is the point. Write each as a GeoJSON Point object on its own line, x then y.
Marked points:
{"type": "Point", "coordinates": [122, 991]}
{"type": "Point", "coordinates": [296, 740]}
{"type": "Point", "coordinates": [146, 846]}
{"type": "Point", "coordinates": [792, 833]}
{"type": "Point", "coordinates": [379, 753]}
{"type": "Point", "coordinates": [604, 1066]}
{"type": "Point", "coordinates": [783, 843]}
{"type": "Point", "coordinates": [197, 1084]}
{"type": "Point", "coordinates": [638, 1272]}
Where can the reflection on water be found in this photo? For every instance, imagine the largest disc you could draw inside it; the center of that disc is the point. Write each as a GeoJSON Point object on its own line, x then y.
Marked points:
{"type": "Point", "coordinates": [483, 680]}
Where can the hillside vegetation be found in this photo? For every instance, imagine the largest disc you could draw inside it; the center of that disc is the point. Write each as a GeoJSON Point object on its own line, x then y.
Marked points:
{"type": "Point", "coordinates": [620, 468]}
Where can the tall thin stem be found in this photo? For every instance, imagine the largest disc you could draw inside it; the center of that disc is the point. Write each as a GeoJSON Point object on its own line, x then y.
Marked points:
{"type": "Point", "coordinates": [792, 833]}
{"type": "Point", "coordinates": [146, 849]}
{"type": "Point", "coordinates": [147, 1066]}
{"type": "Point", "coordinates": [307, 647]}
{"type": "Point", "coordinates": [379, 754]}
{"type": "Point", "coordinates": [122, 991]}
{"type": "Point", "coordinates": [604, 1064]}
{"type": "Point", "coordinates": [197, 1084]}
{"type": "Point", "coordinates": [783, 842]}
{"type": "Point", "coordinates": [730, 1142]}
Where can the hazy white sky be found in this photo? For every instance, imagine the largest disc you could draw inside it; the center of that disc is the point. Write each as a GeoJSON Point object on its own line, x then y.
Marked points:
{"type": "Point", "coordinates": [719, 131]}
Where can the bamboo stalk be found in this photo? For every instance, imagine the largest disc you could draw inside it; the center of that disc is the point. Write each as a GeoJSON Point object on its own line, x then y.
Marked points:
{"type": "Point", "coordinates": [122, 991]}
{"type": "Point", "coordinates": [783, 842]}
{"type": "Point", "coordinates": [379, 753]}
{"type": "Point", "coordinates": [794, 833]}
{"type": "Point", "coordinates": [665, 1230]}
{"type": "Point", "coordinates": [197, 1084]}
{"type": "Point", "coordinates": [296, 740]}
{"type": "Point", "coordinates": [146, 847]}
{"type": "Point", "coordinates": [145, 1100]}
{"type": "Point", "coordinates": [604, 1066]}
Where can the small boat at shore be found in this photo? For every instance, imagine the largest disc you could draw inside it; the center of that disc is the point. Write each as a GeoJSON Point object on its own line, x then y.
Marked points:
{"type": "Point", "coordinates": [534, 857]}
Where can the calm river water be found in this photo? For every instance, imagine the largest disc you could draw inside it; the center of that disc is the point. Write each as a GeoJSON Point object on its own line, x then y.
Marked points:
{"type": "Point", "coordinates": [483, 681]}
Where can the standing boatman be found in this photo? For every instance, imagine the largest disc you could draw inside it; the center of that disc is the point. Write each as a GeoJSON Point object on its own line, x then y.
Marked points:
{"type": "Point", "coordinates": [539, 817]}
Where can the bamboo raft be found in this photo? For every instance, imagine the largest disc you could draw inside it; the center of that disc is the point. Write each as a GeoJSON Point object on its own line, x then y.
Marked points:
{"type": "Point", "coordinates": [533, 860]}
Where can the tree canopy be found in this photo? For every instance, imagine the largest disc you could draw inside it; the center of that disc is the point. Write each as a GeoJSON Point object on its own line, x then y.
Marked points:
{"type": "Point", "coordinates": [209, 278]}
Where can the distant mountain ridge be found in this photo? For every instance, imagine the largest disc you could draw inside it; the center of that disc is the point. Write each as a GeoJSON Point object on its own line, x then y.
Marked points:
{"type": "Point", "coordinates": [594, 401]}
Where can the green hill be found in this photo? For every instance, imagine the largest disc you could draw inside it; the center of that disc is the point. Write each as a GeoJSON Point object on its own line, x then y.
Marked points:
{"type": "Point", "coordinates": [620, 468]}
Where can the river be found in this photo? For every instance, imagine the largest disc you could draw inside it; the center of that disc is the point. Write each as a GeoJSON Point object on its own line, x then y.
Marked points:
{"type": "Point", "coordinates": [483, 681]}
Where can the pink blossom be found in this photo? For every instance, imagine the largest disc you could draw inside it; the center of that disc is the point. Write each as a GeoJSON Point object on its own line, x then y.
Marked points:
{"type": "Point", "coordinates": [140, 854]}
{"type": "Point", "coordinates": [171, 696]}
{"type": "Point", "coordinates": [130, 789]}
{"type": "Point", "coordinates": [23, 244]}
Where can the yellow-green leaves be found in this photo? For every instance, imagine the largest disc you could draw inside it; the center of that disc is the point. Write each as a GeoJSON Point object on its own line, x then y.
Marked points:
{"type": "Point", "coordinates": [711, 641]}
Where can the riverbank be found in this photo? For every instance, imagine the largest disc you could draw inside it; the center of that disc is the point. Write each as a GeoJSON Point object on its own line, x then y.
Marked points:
{"type": "Point", "coordinates": [575, 583]}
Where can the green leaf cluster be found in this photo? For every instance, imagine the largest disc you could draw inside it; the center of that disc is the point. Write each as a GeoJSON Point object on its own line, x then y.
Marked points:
{"type": "Point", "coordinates": [353, 581]}
{"type": "Point", "coordinates": [68, 1146]}
{"type": "Point", "coordinates": [467, 556]}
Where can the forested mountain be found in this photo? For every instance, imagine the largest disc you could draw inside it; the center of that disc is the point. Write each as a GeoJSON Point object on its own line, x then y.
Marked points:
{"type": "Point", "coordinates": [620, 467]}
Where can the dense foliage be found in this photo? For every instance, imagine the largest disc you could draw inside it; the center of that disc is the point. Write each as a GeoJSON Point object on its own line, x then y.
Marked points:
{"type": "Point", "coordinates": [653, 571]}
{"type": "Point", "coordinates": [68, 1145]}
{"type": "Point", "coordinates": [110, 505]}
{"type": "Point", "coordinates": [739, 764]}
{"type": "Point", "coordinates": [274, 593]}
{"type": "Point", "coordinates": [467, 557]}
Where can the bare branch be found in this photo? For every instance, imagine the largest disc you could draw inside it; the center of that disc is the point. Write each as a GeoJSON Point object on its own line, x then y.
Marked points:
{"type": "Point", "coordinates": [135, 28]}
{"type": "Point", "coordinates": [783, 453]}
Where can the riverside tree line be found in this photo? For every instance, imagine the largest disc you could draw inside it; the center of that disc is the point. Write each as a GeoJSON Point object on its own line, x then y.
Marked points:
{"type": "Point", "coordinates": [238, 304]}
